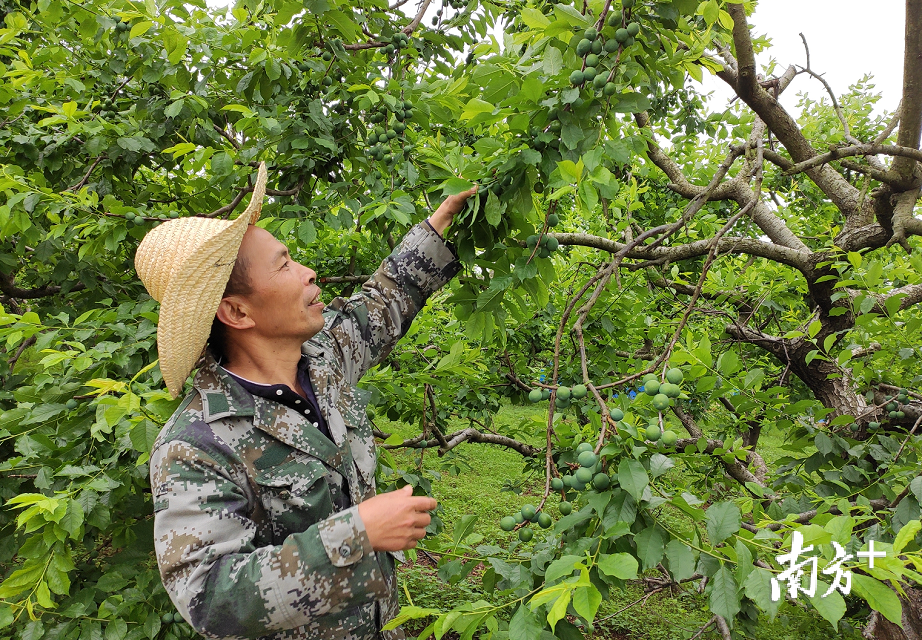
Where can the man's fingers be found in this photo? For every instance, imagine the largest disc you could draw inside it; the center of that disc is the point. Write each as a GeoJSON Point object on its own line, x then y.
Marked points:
{"type": "Point", "coordinates": [422, 520]}
{"type": "Point", "coordinates": [423, 503]}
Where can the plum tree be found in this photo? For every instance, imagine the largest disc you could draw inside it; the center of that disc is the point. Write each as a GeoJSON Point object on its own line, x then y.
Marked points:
{"type": "Point", "coordinates": [627, 234]}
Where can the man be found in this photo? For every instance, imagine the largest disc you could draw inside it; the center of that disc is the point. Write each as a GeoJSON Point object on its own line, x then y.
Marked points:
{"type": "Point", "coordinates": [267, 524]}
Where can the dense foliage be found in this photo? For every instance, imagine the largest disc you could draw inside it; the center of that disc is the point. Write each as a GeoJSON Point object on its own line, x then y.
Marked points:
{"type": "Point", "coordinates": [624, 229]}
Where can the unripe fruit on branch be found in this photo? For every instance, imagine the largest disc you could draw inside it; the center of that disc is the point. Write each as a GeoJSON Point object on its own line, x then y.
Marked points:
{"type": "Point", "coordinates": [587, 459]}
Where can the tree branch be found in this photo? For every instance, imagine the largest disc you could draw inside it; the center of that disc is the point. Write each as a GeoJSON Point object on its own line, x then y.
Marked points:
{"type": "Point", "coordinates": [835, 186]}
{"type": "Point", "coordinates": [735, 245]}
{"type": "Point", "coordinates": [9, 288]}
{"type": "Point", "coordinates": [473, 435]}
{"type": "Point", "coordinates": [854, 150]}
{"type": "Point", "coordinates": [911, 103]}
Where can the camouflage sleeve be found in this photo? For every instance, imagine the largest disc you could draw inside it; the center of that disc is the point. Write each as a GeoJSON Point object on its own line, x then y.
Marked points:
{"type": "Point", "coordinates": [225, 585]}
{"type": "Point", "coordinates": [367, 325]}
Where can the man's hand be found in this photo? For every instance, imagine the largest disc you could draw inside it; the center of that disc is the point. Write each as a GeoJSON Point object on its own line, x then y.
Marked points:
{"type": "Point", "coordinates": [447, 210]}
{"type": "Point", "coordinates": [395, 521]}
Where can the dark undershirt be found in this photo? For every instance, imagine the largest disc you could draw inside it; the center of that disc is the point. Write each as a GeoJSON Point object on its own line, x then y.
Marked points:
{"type": "Point", "coordinates": [285, 395]}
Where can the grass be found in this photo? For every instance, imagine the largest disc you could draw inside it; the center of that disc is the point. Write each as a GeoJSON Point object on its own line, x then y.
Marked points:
{"type": "Point", "coordinates": [479, 490]}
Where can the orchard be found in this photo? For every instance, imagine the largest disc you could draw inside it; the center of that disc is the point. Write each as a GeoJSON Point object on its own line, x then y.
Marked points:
{"type": "Point", "coordinates": [664, 281]}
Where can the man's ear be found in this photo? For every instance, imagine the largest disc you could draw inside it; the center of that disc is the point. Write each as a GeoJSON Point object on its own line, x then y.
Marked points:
{"type": "Point", "coordinates": [232, 311]}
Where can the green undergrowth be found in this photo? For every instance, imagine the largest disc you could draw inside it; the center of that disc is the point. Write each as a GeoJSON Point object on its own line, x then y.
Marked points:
{"type": "Point", "coordinates": [488, 481]}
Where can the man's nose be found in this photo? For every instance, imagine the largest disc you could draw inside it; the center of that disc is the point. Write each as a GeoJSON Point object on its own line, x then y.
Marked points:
{"type": "Point", "coordinates": [310, 276]}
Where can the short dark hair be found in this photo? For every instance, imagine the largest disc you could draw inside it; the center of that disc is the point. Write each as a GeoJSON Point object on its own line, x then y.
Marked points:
{"type": "Point", "coordinates": [237, 285]}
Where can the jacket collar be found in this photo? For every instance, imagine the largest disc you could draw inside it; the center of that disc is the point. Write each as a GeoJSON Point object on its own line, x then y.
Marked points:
{"type": "Point", "coordinates": [223, 397]}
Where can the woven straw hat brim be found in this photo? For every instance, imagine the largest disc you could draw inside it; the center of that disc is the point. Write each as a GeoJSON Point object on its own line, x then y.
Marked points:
{"type": "Point", "coordinates": [185, 264]}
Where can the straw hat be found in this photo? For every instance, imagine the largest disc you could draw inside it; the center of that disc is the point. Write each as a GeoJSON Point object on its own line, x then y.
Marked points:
{"type": "Point", "coordinates": [185, 265]}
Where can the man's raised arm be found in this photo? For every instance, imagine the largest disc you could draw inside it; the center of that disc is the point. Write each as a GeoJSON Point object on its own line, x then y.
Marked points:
{"type": "Point", "coordinates": [368, 324]}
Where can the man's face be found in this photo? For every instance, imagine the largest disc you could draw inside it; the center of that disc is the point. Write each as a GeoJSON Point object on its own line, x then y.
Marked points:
{"type": "Point", "coordinates": [284, 301]}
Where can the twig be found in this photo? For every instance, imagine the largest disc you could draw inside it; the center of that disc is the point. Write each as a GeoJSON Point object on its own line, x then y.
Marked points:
{"type": "Point", "coordinates": [227, 136]}
{"type": "Point", "coordinates": [908, 436]}
{"type": "Point", "coordinates": [419, 18]}
{"type": "Point", "coordinates": [706, 626]}
{"type": "Point", "coordinates": [832, 96]}
{"type": "Point", "coordinates": [25, 345]}
{"type": "Point", "coordinates": [86, 176]}
{"type": "Point", "coordinates": [228, 208]}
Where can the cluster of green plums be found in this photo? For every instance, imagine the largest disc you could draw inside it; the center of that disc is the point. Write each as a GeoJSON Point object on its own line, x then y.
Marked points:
{"type": "Point", "coordinates": [892, 408]}
{"type": "Point", "coordinates": [565, 395]}
{"type": "Point", "coordinates": [594, 46]}
{"type": "Point", "coordinates": [528, 513]}
{"type": "Point", "coordinates": [390, 124]}
{"type": "Point", "coordinates": [132, 219]}
{"type": "Point", "coordinates": [546, 244]}
{"type": "Point", "coordinates": [663, 392]}
{"type": "Point", "coordinates": [175, 626]}
{"type": "Point", "coordinates": [399, 41]}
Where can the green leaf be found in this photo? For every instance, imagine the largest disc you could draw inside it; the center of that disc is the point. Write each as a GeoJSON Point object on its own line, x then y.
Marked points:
{"type": "Point", "coordinates": [651, 542]}
{"type": "Point", "coordinates": [831, 606]}
{"type": "Point", "coordinates": [493, 210]}
{"type": "Point", "coordinates": [409, 613]}
{"type": "Point", "coordinates": [728, 363]}
{"type": "Point", "coordinates": [878, 596]}
{"type": "Point", "coordinates": [463, 528]}
{"type": "Point", "coordinates": [175, 44]}
{"type": "Point", "coordinates": [559, 608]}
{"type": "Point", "coordinates": [273, 69]}
{"type": "Point", "coordinates": [629, 103]}
{"type": "Point", "coordinates": [586, 601]}
{"type": "Point", "coordinates": [307, 232]}
{"type": "Point", "coordinates": [681, 560]}
{"type": "Point", "coordinates": [140, 28]}
{"type": "Point", "coordinates": [723, 520]}
{"type": "Point", "coordinates": [144, 434]}
{"type": "Point", "coordinates": [561, 567]}
{"type": "Point", "coordinates": [632, 477]}
{"type": "Point", "coordinates": [660, 464]}
{"type": "Point", "coordinates": [724, 599]}
{"type": "Point", "coordinates": [454, 186]}
{"type": "Point", "coordinates": [758, 587]}
{"type": "Point", "coordinates": [6, 616]}
{"type": "Point", "coordinates": [174, 109]}
{"type": "Point", "coordinates": [524, 624]}
{"type": "Point", "coordinates": [905, 535]}
{"type": "Point", "coordinates": [619, 565]}
{"type": "Point", "coordinates": [116, 630]}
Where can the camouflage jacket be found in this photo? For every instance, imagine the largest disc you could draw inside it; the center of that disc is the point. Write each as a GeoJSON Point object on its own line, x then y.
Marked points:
{"type": "Point", "coordinates": [249, 542]}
